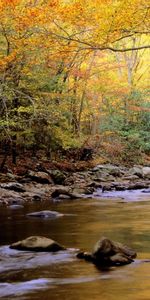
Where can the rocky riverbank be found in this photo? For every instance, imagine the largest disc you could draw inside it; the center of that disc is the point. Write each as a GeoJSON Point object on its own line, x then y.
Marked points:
{"type": "Point", "coordinates": [54, 184]}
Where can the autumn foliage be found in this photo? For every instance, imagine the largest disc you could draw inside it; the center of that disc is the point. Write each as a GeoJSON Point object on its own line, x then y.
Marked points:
{"type": "Point", "coordinates": [71, 70]}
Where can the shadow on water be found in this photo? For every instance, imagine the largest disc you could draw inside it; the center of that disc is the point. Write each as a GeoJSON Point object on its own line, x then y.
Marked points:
{"type": "Point", "coordinates": [28, 275]}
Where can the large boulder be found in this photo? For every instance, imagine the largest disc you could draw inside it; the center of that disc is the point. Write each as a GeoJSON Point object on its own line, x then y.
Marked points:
{"type": "Point", "coordinates": [109, 253]}
{"type": "Point", "coordinates": [48, 214]}
{"type": "Point", "coordinates": [105, 248]}
{"type": "Point", "coordinates": [38, 244]}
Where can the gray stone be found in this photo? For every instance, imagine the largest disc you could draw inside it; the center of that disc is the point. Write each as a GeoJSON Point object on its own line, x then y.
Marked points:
{"type": "Point", "coordinates": [136, 170]}
{"type": "Point", "coordinates": [11, 176]}
{"type": "Point", "coordinates": [108, 167]}
{"type": "Point", "coordinates": [63, 197]}
{"type": "Point", "coordinates": [137, 186]}
{"type": "Point", "coordinates": [130, 177]}
{"type": "Point", "coordinates": [64, 191]}
{"type": "Point", "coordinates": [14, 186]}
{"type": "Point", "coordinates": [99, 167]}
{"type": "Point", "coordinates": [146, 190]}
{"type": "Point", "coordinates": [146, 172]}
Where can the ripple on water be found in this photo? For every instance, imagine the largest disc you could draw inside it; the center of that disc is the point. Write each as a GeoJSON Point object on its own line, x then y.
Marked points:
{"type": "Point", "coordinates": [127, 195]}
{"type": "Point", "coordinates": [11, 289]}
{"type": "Point", "coordinates": [14, 260]}
{"type": "Point", "coordinates": [22, 288]}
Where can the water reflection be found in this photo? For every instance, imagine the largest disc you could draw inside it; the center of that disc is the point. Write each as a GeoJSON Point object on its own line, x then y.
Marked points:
{"type": "Point", "coordinates": [26, 275]}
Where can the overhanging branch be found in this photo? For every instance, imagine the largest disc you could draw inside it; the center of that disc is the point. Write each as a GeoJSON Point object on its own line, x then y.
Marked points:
{"type": "Point", "coordinates": [90, 46]}
{"type": "Point", "coordinates": [124, 49]}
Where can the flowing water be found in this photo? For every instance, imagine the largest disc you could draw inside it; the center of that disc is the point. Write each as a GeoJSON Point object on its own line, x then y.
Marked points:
{"type": "Point", "coordinates": [122, 216]}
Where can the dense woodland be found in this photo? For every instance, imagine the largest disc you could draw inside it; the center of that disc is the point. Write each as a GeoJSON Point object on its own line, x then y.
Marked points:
{"type": "Point", "coordinates": [74, 79]}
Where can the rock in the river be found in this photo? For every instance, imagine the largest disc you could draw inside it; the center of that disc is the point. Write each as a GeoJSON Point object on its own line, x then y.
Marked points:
{"type": "Point", "coordinates": [105, 247]}
{"type": "Point", "coordinates": [109, 253]}
{"type": "Point", "coordinates": [146, 190]}
{"type": "Point", "coordinates": [137, 186]}
{"type": "Point", "coordinates": [38, 244]}
{"type": "Point", "coordinates": [15, 206]}
{"type": "Point", "coordinates": [64, 191]}
{"type": "Point", "coordinates": [48, 214]}
{"type": "Point", "coordinates": [63, 197]}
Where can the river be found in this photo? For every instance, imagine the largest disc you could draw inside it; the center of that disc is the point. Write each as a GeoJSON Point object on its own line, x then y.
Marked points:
{"type": "Point", "coordinates": [122, 216]}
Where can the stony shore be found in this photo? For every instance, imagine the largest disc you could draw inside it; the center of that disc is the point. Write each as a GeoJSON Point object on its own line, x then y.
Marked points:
{"type": "Point", "coordinates": [55, 184]}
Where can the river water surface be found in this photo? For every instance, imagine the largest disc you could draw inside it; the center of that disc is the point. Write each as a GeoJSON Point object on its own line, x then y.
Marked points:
{"type": "Point", "coordinates": [124, 217]}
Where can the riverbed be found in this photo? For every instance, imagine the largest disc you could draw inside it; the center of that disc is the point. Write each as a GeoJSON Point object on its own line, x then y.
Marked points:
{"type": "Point", "coordinates": [120, 216]}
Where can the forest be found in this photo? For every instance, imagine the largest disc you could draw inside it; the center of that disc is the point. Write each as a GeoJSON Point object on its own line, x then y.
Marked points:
{"type": "Point", "coordinates": [74, 79]}
{"type": "Point", "coordinates": [75, 149]}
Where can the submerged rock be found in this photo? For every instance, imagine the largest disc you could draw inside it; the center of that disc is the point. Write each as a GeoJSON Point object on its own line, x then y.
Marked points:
{"type": "Point", "coordinates": [15, 206]}
{"type": "Point", "coordinates": [45, 214]}
{"type": "Point", "coordinates": [109, 253]}
{"type": "Point", "coordinates": [37, 243]}
{"type": "Point", "coordinates": [146, 190]}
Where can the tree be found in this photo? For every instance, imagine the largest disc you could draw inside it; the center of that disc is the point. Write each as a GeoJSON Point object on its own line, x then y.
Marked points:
{"type": "Point", "coordinates": [101, 25]}
{"type": "Point", "coordinates": [59, 66]}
